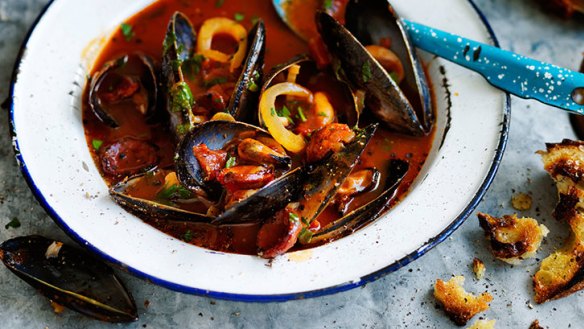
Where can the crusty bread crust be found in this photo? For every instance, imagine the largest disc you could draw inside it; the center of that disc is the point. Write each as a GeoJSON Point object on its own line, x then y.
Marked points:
{"type": "Point", "coordinates": [561, 273]}
{"type": "Point", "coordinates": [512, 239]}
{"type": "Point", "coordinates": [459, 305]}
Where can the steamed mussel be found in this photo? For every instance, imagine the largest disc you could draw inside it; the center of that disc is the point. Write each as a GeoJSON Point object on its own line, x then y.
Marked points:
{"type": "Point", "coordinates": [201, 80]}
{"type": "Point", "coordinates": [69, 277]}
{"type": "Point", "coordinates": [261, 164]}
{"type": "Point", "coordinates": [126, 84]}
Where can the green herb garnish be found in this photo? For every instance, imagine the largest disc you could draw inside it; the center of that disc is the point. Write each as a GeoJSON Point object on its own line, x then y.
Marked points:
{"type": "Point", "coordinates": [322, 114]}
{"type": "Point", "coordinates": [394, 76]}
{"type": "Point", "coordinates": [127, 31]}
{"type": "Point", "coordinates": [239, 17]}
{"type": "Point", "coordinates": [182, 97]}
{"type": "Point", "coordinates": [96, 143]}
{"type": "Point", "coordinates": [219, 3]}
{"type": "Point", "coordinates": [169, 41]}
{"type": "Point", "coordinates": [293, 217]}
{"type": "Point", "coordinates": [284, 112]}
{"type": "Point", "coordinates": [174, 192]}
{"type": "Point", "coordinates": [230, 162]}
{"type": "Point", "coordinates": [182, 129]}
{"type": "Point", "coordinates": [366, 72]}
{"type": "Point", "coordinates": [328, 4]}
{"type": "Point", "coordinates": [301, 115]}
{"type": "Point", "coordinates": [252, 86]}
{"type": "Point", "coordinates": [188, 236]}
{"type": "Point", "coordinates": [254, 19]}
{"type": "Point", "coordinates": [14, 223]}
{"type": "Point", "coordinates": [305, 236]}
{"type": "Point", "coordinates": [215, 81]}
{"type": "Point", "coordinates": [192, 66]}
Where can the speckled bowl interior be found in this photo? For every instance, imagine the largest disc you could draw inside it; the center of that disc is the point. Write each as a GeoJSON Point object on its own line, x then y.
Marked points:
{"type": "Point", "coordinates": [52, 151]}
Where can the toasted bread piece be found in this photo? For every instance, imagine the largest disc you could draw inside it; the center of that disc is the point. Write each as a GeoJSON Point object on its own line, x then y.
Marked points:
{"type": "Point", "coordinates": [478, 267]}
{"type": "Point", "coordinates": [521, 201]}
{"type": "Point", "coordinates": [535, 325]}
{"type": "Point", "coordinates": [483, 324]}
{"type": "Point", "coordinates": [562, 273]}
{"type": "Point", "coordinates": [459, 305]}
{"type": "Point", "coordinates": [512, 239]}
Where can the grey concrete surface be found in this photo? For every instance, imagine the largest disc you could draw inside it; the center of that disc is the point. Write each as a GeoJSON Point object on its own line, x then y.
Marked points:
{"type": "Point", "coordinates": [400, 300]}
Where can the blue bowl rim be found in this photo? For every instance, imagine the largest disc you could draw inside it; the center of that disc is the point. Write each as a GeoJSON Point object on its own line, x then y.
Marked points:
{"type": "Point", "coordinates": [427, 246]}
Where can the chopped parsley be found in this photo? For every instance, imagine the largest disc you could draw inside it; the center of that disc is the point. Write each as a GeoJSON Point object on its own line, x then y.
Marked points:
{"type": "Point", "coordinates": [127, 31]}
{"type": "Point", "coordinates": [322, 114]}
{"type": "Point", "coordinates": [394, 76]}
{"type": "Point", "coordinates": [252, 86]}
{"type": "Point", "coordinates": [293, 217]}
{"type": "Point", "coordinates": [239, 17]}
{"type": "Point", "coordinates": [182, 129]}
{"type": "Point", "coordinates": [182, 97]}
{"type": "Point", "coordinates": [219, 3]}
{"type": "Point", "coordinates": [254, 19]}
{"type": "Point", "coordinates": [215, 81]}
{"type": "Point", "coordinates": [285, 113]}
{"type": "Point", "coordinates": [328, 4]}
{"type": "Point", "coordinates": [169, 41]}
{"type": "Point", "coordinates": [192, 66]}
{"type": "Point", "coordinates": [174, 192]}
{"type": "Point", "coordinates": [14, 223]}
{"type": "Point", "coordinates": [301, 115]}
{"type": "Point", "coordinates": [188, 236]}
{"type": "Point", "coordinates": [305, 236]}
{"type": "Point", "coordinates": [366, 72]}
{"type": "Point", "coordinates": [96, 143]}
{"type": "Point", "coordinates": [230, 162]}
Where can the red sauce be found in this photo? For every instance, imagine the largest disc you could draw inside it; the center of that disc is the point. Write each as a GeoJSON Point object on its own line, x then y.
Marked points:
{"type": "Point", "coordinates": [148, 28]}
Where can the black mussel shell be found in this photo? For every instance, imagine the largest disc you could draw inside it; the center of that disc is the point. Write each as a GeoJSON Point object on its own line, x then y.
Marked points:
{"type": "Point", "coordinates": [367, 23]}
{"type": "Point", "coordinates": [266, 201]}
{"type": "Point", "coordinates": [216, 135]}
{"type": "Point", "coordinates": [151, 210]}
{"type": "Point", "coordinates": [344, 103]}
{"type": "Point", "coordinates": [179, 46]}
{"type": "Point", "coordinates": [367, 213]}
{"type": "Point", "coordinates": [325, 178]}
{"type": "Point", "coordinates": [70, 277]}
{"type": "Point", "coordinates": [246, 94]}
{"type": "Point", "coordinates": [129, 78]}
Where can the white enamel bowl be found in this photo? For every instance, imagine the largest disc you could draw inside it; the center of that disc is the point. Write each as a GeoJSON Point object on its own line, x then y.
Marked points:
{"type": "Point", "coordinates": [52, 152]}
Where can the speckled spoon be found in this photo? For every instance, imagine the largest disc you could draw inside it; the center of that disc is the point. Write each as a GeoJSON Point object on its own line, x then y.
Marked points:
{"type": "Point", "coordinates": [521, 76]}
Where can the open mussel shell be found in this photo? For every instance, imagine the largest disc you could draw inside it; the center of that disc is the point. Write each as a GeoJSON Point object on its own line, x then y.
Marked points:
{"type": "Point", "coordinates": [367, 213]}
{"type": "Point", "coordinates": [325, 178]}
{"type": "Point", "coordinates": [151, 210]}
{"type": "Point", "coordinates": [130, 78]}
{"type": "Point", "coordinates": [180, 46]}
{"type": "Point", "coordinates": [246, 94]}
{"type": "Point", "coordinates": [344, 103]}
{"type": "Point", "coordinates": [368, 22]}
{"type": "Point", "coordinates": [266, 201]}
{"type": "Point", "coordinates": [215, 135]}
{"type": "Point", "coordinates": [69, 277]}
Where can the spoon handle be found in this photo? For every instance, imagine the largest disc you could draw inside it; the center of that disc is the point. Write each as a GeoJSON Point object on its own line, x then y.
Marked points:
{"type": "Point", "coordinates": [516, 74]}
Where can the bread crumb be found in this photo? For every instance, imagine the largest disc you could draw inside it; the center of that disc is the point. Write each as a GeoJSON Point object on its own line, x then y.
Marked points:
{"type": "Point", "coordinates": [57, 308]}
{"type": "Point", "coordinates": [478, 267]}
{"type": "Point", "coordinates": [521, 201]}
{"type": "Point", "coordinates": [512, 239]}
{"type": "Point", "coordinates": [483, 324]}
{"type": "Point", "coordinates": [535, 325]}
{"type": "Point", "coordinates": [459, 305]}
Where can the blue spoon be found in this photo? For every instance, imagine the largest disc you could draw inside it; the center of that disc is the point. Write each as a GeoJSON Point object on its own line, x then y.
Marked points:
{"type": "Point", "coordinates": [521, 76]}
